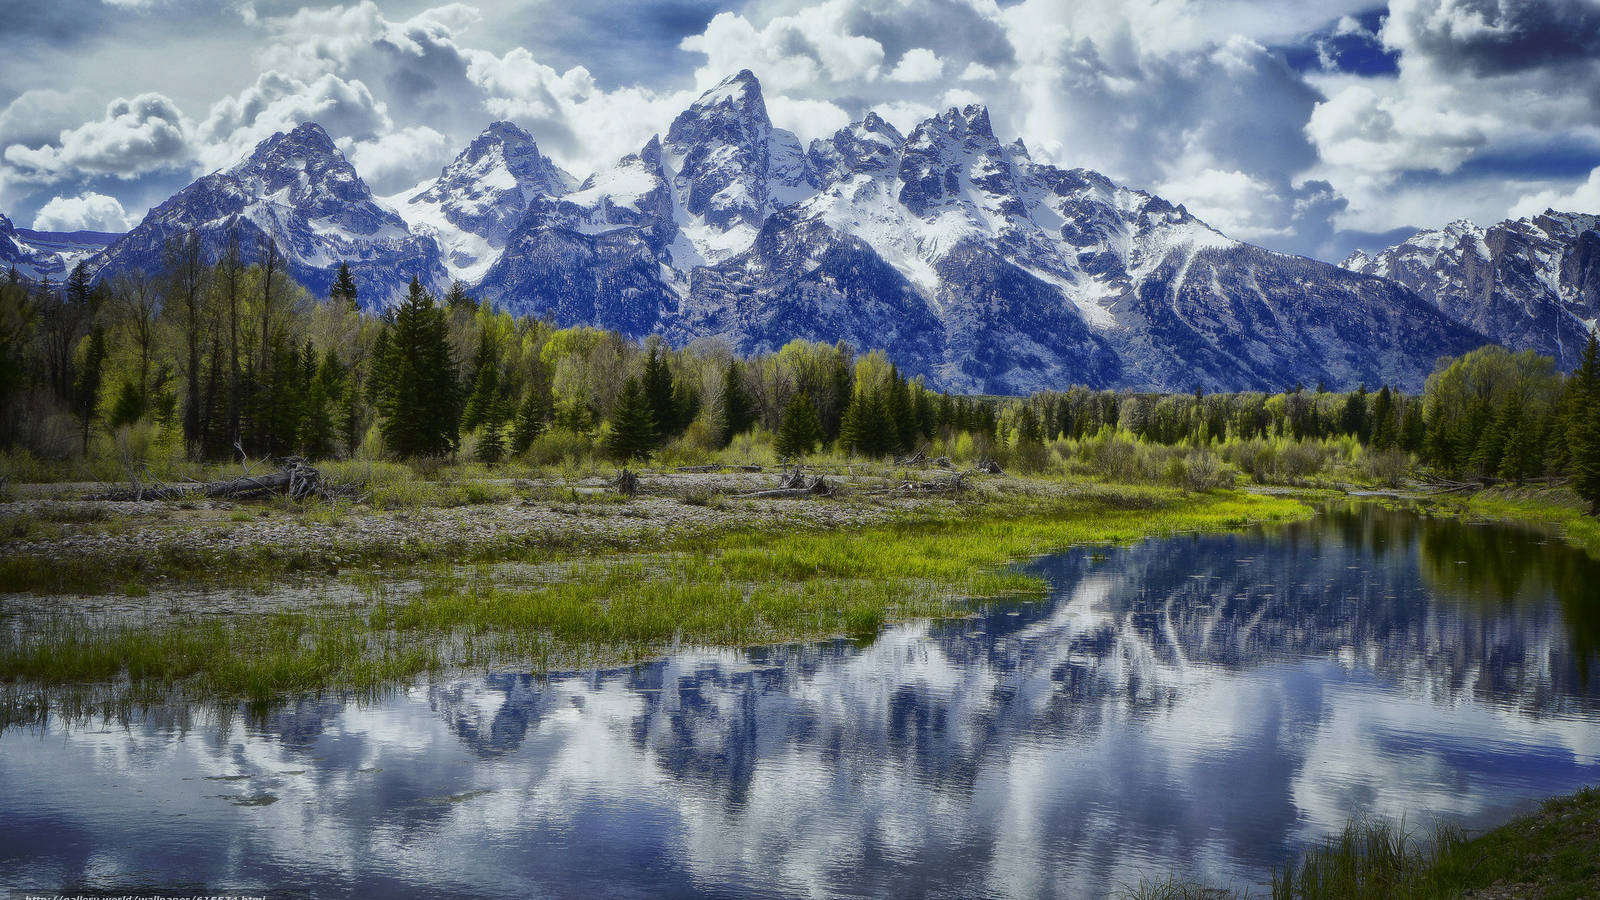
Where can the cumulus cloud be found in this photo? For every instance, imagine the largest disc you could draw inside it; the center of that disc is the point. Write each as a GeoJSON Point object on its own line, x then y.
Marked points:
{"type": "Point", "coordinates": [918, 64]}
{"type": "Point", "coordinates": [86, 212]}
{"type": "Point", "coordinates": [138, 135]}
{"type": "Point", "coordinates": [1583, 198]}
{"type": "Point", "coordinates": [1279, 122]}
{"type": "Point", "coordinates": [389, 163]}
{"type": "Point", "coordinates": [278, 102]}
{"type": "Point", "coordinates": [814, 47]}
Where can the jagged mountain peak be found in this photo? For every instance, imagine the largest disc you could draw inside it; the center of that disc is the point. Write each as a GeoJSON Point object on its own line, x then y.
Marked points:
{"type": "Point", "coordinates": [297, 189]}
{"type": "Point", "coordinates": [480, 196]}
{"type": "Point", "coordinates": [739, 94]}
{"type": "Point", "coordinates": [870, 146]}
{"type": "Point", "coordinates": [1528, 283]}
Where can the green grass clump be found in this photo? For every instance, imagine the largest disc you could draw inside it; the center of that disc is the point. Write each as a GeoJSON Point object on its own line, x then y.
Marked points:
{"type": "Point", "coordinates": [727, 589]}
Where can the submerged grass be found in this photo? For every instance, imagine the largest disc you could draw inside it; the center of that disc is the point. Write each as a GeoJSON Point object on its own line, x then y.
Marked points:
{"type": "Point", "coordinates": [737, 588]}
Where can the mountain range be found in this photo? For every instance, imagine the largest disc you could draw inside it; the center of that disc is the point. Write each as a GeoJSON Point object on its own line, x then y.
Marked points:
{"type": "Point", "coordinates": [960, 255]}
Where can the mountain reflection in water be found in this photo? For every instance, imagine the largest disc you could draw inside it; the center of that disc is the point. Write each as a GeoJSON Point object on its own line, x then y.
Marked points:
{"type": "Point", "coordinates": [1202, 704]}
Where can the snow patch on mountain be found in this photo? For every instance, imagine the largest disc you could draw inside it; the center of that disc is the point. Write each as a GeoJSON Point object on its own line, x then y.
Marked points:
{"type": "Point", "coordinates": [471, 208]}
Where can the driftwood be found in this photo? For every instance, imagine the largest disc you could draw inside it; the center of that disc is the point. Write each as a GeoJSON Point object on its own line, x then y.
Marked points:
{"type": "Point", "coordinates": [817, 487]}
{"type": "Point", "coordinates": [297, 479]}
{"type": "Point", "coordinates": [626, 483]}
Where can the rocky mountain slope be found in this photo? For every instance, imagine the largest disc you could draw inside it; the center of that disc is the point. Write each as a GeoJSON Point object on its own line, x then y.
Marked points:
{"type": "Point", "coordinates": [963, 257]}
{"type": "Point", "coordinates": [31, 258]}
{"type": "Point", "coordinates": [298, 190]}
{"type": "Point", "coordinates": [476, 201]}
{"type": "Point", "coordinates": [1529, 283]}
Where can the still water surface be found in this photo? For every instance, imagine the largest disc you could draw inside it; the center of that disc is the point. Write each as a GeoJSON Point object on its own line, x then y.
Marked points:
{"type": "Point", "coordinates": [1199, 705]}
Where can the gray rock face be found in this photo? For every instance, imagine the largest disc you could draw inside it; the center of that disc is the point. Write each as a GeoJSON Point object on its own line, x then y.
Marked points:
{"type": "Point", "coordinates": [298, 190]}
{"type": "Point", "coordinates": [31, 262]}
{"type": "Point", "coordinates": [1530, 283]}
{"type": "Point", "coordinates": [965, 259]}
{"type": "Point", "coordinates": [480, 197]}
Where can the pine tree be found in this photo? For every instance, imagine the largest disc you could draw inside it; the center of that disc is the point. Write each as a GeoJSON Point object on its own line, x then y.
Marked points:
{"type": "Point", "coordinates": [485, 383]}
{"type": "Point", "coordinates": [320, 425]}
{"type": "Point", "coordinates": [531, 415]}
{"type": "Point", "coordinates": [1028, 430]}
{"type": "Point", "coordinates": [658, 393]}
{"type": "Point", "coordinates": [417, 394]}
{"type": "Point", "coordinates": [1583, 427]}
{"type": "Point", "coordinates": [86, 389]}
{"type": "Point", "coordinates": [633, 426]}
{"type": "Point", "coordinates": [734, 415]}
{"type": "Point", "coordinates": [343, 293]}
{"type": "Point", "coordinates": [850, 428]}
{"type": "Point", "coordinates": [800, 429]}
{"type": "Point", "coordinates": [457, 297]}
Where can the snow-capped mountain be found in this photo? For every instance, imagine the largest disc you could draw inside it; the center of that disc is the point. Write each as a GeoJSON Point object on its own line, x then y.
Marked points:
{"type": "Point", "coordinates": [960, 255]}
{"type": "Point", "coordinates": [300, 191]}
{"type": "Point", "coordinates": [476, 201]}
{"type": "Point", "coordinates": [36, 256]}
{"type": "Point", "coordinates": [964, 258]}
{"type": "Point", "coordinates": [72, 247]}
{"type": "Point", "coordinates": [1529, 283]}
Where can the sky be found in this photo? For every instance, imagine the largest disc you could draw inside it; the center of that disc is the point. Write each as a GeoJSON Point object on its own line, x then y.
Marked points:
{"type": "Point", "coordinates": [1306, 127]}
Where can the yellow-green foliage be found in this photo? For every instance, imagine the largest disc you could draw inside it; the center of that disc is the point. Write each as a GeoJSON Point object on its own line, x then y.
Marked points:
{"type": "Point", "coordinates": [727, 589]}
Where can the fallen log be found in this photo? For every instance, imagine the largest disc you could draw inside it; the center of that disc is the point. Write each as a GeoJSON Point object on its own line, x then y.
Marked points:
{"type": "Point", "coordinates": [818, 487]}
{"type": "Point", "coordinates": [298, 479]}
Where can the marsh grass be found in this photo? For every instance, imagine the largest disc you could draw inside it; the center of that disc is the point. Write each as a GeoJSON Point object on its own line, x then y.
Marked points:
{"type": "Point", "coordinates": [745, 587]}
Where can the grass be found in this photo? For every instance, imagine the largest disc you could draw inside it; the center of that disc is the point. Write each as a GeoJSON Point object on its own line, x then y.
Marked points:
{"type": "Point", "coordinates": [1560, 508]}
{"type": "Point", "coordinates": [1553, 853]}
{"type": "Point", "coordinates": [738, 588]}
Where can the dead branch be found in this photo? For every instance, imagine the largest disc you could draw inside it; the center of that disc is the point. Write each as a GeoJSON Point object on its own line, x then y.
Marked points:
{"type": "Point", "coordinates": [626, 483]}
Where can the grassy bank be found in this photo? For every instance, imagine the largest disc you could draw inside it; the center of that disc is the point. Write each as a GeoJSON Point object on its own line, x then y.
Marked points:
{"type": "Point", "coordinates": [741, 587]}
{"type": "Point", "coordinates": [1561, 509]}
{"type": "Point", "coordinates": [1553, 854]}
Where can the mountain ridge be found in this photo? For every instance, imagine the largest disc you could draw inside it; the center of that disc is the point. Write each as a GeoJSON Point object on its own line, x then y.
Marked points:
{"type": "Point", "coordinates": [966, 259]}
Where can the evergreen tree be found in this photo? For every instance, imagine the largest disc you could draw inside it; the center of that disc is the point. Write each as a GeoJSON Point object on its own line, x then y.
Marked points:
{"type": "Point", "coordinates": [1028, 429]}
{"type": "Point", "coordinates": [417, 394]}
{"type": "Point", "coordinates": [633, 426]}
{"type": "Point", "coordinates": [485, 383]}
{"type": "Point", "coordinates": [658, 392]}
{"type": "Point", "coordinates": [457, 298]}
{"type": "Point", "coordinates": [86, 389]}
{"type": "Point", "coordinates": [320, 427]}
{"type": "Point", "coordinates": [1583, 428]}
{"type": "Point", "coordinates": [531, 415]}
{"type": "Point", "coordinates": [800, 429]}
{"type": "Point", "coordinates": [1385, 427]}
{"type": "Point", "coordinates": [343, 293]}
{"type": "Point", "coordinates": [735, 412]}
{"type": "Point", "coordinates": [850, 428]}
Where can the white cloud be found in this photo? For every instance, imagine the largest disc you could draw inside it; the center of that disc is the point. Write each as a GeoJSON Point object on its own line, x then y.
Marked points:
{"type": "Point", "coordinates": [978, 72]}
{"type": "Point", "coordinates": [85, 212]}
{"type": "Point", "coordinates": [918, 64]}
{"type": "Point", "coordinates": [389, 163]}
{"type": "Point", "coordinates": [278, 102]}
{"type": "Point", "coordinates": [1584, 198]}
{"type": "Point", "coordinates": [143, 134]}
{"type": "Point", "coordinates": [812, 47]}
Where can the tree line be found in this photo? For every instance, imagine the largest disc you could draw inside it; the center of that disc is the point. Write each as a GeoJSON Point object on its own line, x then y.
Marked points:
{"type": "Point", "coordinates": [224, 358]}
